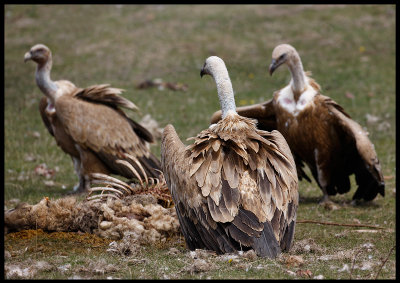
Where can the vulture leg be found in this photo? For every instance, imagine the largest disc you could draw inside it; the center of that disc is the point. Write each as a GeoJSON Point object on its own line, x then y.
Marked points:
{"type": "Point", "coordinates": [83, 185]}
{"type": "Point", "coordinates": [77, 167]}
{"type": "Point", "coordinates": [323, 177]}
{"type": "Point", "coordinates": [89, 163]}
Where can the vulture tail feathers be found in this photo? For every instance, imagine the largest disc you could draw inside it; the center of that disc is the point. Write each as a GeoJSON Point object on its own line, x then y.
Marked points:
{"type": "Point", "coordinates": [287, 240]}
{"type": "Point", "coordinates": [192, 236]}
{"type": "Point", "coordinates": [266, 245]}
{"type": "Point", "coordinates": [248, 231]}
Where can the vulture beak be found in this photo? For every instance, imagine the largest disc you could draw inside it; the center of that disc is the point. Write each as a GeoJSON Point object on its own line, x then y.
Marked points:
{"type": "Point", "coordinates": [272, 67]}
{"type": "Point", "coordinates": [202, 73]}
{"type": "Point", "coordinates": [27, 56]}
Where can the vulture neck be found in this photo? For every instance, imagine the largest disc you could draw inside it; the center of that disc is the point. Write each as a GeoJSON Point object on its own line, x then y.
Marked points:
{"type": "Point", "coordinates": [298, 83]}
{"type": "Point", "coordinates": [46, 85]}
{"type": "Point", "coordinates": [225, 92]}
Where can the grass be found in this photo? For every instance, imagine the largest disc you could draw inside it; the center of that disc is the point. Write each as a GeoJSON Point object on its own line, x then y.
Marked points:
{"type": "Point", "coordinates": [349, 49]}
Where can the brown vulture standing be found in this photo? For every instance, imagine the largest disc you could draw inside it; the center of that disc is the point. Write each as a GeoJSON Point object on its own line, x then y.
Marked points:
{"type": "Point", "coordinates": [88, 124]}
{"type": "Point", "coordinates": [319, 132]}
{"type": "Point", "coordinates": [235, 187]}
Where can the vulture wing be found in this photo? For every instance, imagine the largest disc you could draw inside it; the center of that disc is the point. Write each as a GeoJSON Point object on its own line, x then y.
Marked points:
{"type": "Point", "coordinates": [233, 189]}
{"type": "Point", "coordinates": [110, 96]}
{"type": "Point", "coordinates": [106, 95]}
{"type": "Point", "coordinates": [42, 109]}
{"type": "Point", "coordinates": [105, 129]}
{"type": "Point", "coordinates": [367, 167]}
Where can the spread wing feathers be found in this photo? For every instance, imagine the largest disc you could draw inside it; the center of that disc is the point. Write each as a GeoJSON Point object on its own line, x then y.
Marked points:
{"type": "Point", "coordinates": [264, 113]}
{"type": "Point", "coordinates": [368, 171]}
{"type": "Point", "coordinates": [106, 95]}
{"type": "Point", "coordinates": [230, 182]}
{"type": "Point", "coordinates": [42, 109]}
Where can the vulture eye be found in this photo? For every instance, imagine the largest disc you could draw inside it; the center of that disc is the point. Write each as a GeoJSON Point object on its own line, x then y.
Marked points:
{"type": "Point", "coordinates": [282, 57]}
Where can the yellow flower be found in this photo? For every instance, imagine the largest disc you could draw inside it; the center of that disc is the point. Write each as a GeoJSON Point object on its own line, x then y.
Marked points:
{"type": "Point", "coordinates": [251, 76]}
{"type": "Point", "coordinates": [243, 102]}
{"type": "Point", "coordinates": [361, 49]}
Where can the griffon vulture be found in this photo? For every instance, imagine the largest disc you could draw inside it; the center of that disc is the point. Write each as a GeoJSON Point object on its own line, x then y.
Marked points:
{"type": "Point", "coordinates": [88, 124]}
{"type": "Point", "coordinates": [319, 132]}
{"type": "Point", "coordinates": [235, 187]}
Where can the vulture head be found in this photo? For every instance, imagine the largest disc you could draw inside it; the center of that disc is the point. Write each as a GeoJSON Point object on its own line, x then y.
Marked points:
{"type": "Point", "coordinates": [39, 53]}
{"type": "Point", "coordinates": [212, 66]}
{"type": "Point", "coordinates": [281, 54]}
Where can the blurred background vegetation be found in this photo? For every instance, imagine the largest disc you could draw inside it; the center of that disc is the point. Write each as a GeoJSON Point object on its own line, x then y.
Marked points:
{"type": "Point", "coordinates": [349, 49]}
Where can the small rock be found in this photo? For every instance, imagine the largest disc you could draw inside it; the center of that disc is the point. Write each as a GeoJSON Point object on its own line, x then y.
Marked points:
{"type": "Point", "coordinates": [64, 267]}
{"type": "Point", "coordinates": [15, 271]}
{"type": "Point", "coordinates": [36, 134]}
{"type": "Point", "coordinates": [304, 273]}
{"type": "Point", "coordinates": [200, 253]}
{"type": "Point", "coordinates": [344, 268]}
{"type": "Point", "coordinates": [367, 265]}
{"type": "Point", "coordinates": [329, 205]}
{"type": "Point", "coordinates": [371, 119]}
{"type": "Point", "coordinates": [368, 245]}
{"type": "Point", "coordinates": [29, 157]}
{"type": "Point", "coordinates": [199, 265]}
{"type": "Point", "coordinates": [104, 225]}
{"type": "Point", "coordinates": [294, 260]}
{"type": "Point", "coordinates": [250, 254]}
{"type": "Point", "coordinates": [49, 183]}
{"type": "Point", "coordinates": [384, 126]}
{"type": "Point", "coordinates": [173, 251]}
{"type": "Point", "coordinates": [43, 266]}
{"type": "Point", "coordinates": [292, 273]}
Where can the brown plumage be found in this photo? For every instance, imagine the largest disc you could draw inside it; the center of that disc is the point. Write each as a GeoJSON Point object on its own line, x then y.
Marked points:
{"type": "Point", "coordinates": [319, 132]}
{"type": "Point", "coordinates": [235, 187]}
{"type": "Point", "coordinates": [89, 125]}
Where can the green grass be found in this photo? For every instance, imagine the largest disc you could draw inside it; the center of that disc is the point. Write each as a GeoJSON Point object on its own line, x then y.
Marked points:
{"type": "Point", "coordinates": [347, 48]}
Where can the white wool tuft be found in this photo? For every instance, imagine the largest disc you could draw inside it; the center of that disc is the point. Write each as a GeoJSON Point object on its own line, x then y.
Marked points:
{"type": "Point", "coordinates": [139, 216]}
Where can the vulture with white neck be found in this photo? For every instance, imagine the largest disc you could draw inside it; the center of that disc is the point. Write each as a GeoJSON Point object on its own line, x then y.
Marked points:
{"type": "Point", "coordinates": [88, 124]}
{"type": "Point", "coordinates": [319, 132]}
{"type": "Point", "coordinates": [235, 187]}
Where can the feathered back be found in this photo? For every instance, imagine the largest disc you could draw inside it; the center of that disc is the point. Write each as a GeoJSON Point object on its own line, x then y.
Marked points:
{"type": "Point", "coordinates": [234, 187]}
{"type": "Point", "coordinates": [234, 151]}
